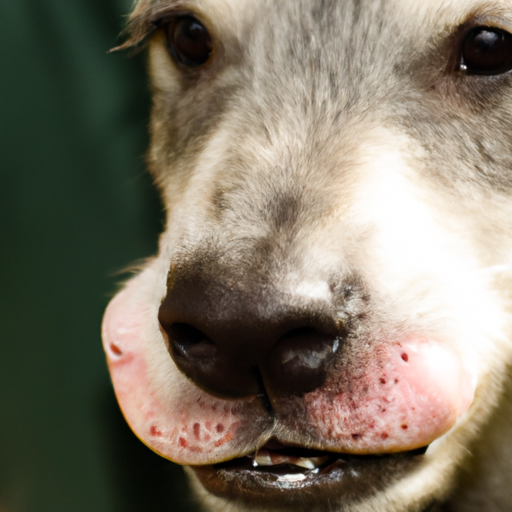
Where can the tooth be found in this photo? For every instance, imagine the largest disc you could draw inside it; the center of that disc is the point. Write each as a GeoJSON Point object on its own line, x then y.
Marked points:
{"type": "Point", "coordinates": [311, 462]}
{"type": "Point", "coordinates": [267, 458]}
{"type": "Point", "coordinates": [305, 463]}
{"type": "Point", "coordinates": [262, 458]}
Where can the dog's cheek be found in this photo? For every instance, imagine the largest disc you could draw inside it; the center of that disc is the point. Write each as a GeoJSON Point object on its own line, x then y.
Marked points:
{"type": "Point", "coordinates": [173, 417]}
{"type": "Point", "coordinates": [407, 395]}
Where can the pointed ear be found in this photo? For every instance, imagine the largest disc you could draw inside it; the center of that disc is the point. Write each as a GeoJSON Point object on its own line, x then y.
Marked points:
{"type": "Point", "coordinates": [142, 23]}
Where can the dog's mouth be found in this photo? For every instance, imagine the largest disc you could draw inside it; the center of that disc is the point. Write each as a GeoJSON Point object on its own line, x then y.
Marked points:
{"type": "Point", "coordinates": [268, 474]}
{"type": "Point", "coordinates": [287, 463]}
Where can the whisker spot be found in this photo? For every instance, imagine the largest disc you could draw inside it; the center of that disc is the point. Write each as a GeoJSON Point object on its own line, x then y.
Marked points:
{"type": "Point", "coordinates": [115, 349]}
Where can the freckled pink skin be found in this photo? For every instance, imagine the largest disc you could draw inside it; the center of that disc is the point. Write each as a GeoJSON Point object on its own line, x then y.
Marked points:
{"type": "Point", "coordinates": [408, 395]}
{"type": "Point", "coordinates": [379, 404]}
{"type": "Point", "coordinates": [191, 428]}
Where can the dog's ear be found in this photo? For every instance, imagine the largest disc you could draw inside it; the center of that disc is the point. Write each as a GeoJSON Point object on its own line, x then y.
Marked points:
{"type": "Point", "coordinates": [144, 20]}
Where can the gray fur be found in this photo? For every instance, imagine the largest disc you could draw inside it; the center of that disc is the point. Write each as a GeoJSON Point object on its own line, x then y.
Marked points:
{"type": "Point", "coordinates": [302, 94]}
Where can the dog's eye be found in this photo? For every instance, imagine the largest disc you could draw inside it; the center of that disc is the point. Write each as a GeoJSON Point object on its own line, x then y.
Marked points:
{"type": "Point", "coordinates": [188, 41]}
{"type": "Point", "coordinates": [487, 51]}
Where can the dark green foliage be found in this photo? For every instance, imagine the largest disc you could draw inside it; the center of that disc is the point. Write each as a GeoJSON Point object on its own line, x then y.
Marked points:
{"type": "Point", "coordinates": [76, 206]}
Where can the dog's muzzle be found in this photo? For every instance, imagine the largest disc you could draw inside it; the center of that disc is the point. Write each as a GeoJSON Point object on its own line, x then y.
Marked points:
{"type": "Point", "coordinates": [259, 358]}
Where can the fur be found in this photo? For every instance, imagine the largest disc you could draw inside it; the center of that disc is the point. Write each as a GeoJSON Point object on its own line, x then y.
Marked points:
{"type": "Point", "coordinates": [331, 141]}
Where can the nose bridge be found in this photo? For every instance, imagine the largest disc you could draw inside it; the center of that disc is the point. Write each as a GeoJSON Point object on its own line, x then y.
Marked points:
{"type": "Point", "coordinates": [292, 174]}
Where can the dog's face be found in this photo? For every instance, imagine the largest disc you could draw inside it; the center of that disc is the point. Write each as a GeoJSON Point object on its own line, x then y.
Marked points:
{"type": "Point", "coordinates": [329, 297]}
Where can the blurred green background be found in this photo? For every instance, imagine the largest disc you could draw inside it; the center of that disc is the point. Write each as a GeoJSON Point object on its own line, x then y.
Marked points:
{"type": "Point", "coordinates": [76, 207]}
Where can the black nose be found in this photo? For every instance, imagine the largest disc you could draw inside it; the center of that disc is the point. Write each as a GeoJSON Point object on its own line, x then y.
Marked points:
{"type": "Point", "coordinates": [233, 338]}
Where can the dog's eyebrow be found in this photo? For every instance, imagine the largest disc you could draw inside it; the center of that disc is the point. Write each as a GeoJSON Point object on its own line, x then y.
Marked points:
{"type": "Point", "coordinates": [144, 21]}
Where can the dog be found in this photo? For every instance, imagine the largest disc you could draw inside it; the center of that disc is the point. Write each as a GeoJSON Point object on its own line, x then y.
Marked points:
{"type": "Point", "coordinates": [327, 325]}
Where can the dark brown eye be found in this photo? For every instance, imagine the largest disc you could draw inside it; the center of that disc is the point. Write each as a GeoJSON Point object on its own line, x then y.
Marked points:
{"type": "Point", "coordinates": [188, 41]}
{"type": "Point", "coordinates": [487, 51]}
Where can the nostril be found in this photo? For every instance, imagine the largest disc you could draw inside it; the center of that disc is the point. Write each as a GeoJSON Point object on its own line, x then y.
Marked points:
{"type": "Point", "coordinates": [304, 347]}
{"type": "Point", "coordinates": [188, 342]}
{"type": "Point", "coordinates": [201, 360]}
{"type": "Point", "coordinates": [186, 335]}
{"type": "Point", "coordinates": [304, 332]}
{"type": "Point", "coordinates": [299, 363]}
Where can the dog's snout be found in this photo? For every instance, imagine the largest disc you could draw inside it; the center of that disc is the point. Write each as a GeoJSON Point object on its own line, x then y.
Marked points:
{"type": "Point", "coordinates": [242, 341]}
